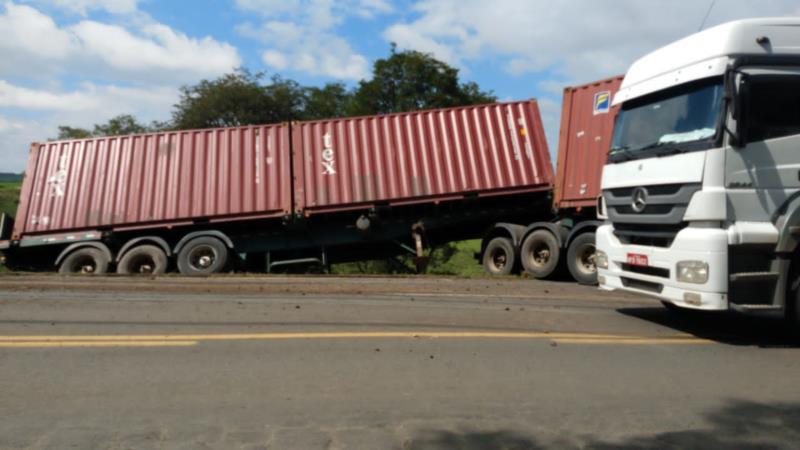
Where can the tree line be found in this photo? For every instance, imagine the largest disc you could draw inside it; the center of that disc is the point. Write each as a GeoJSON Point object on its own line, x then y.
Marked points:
{"type": "Point", "coordinates": [404, 81]}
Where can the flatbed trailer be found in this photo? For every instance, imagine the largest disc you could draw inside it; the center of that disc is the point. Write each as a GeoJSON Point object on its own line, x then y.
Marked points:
{"type": "Point", "coordinates": [262, 197]}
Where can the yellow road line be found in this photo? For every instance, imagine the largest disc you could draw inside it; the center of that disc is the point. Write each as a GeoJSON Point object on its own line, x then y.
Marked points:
{"type": "Point", "coordinates": [637, 341]}
{"type": "Point", "coordinates": [339, 335]}
{"type": "Point", "coordinates": [49, 344]}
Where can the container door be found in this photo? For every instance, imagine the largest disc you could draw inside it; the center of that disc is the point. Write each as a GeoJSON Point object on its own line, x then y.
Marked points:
{"type": "Point", "coordinates": [587, 135]}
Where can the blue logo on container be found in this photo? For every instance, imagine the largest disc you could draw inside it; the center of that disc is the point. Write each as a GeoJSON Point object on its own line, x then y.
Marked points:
{"type": "Point", "coordinates": [602, 102]}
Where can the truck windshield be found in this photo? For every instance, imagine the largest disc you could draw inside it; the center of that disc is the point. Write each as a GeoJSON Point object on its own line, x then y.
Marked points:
{"type": "Point", "coordinates": [674, 121]}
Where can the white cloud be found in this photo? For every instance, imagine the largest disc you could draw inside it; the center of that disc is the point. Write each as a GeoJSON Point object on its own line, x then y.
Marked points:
{"type": "Point", "coordinates": [275, 59]}
{"type": "Point", "coordinates": [82, 107]}
{"type": "Point", "coordinates": [82, 7]}
{"type": "Point", "coordinates": [25, 32]}
{"type": "Point", "coordinates": [7, 125]}
{"type": "Point", "coordinates": [158, 47]}
{"type": "Point", "coordinates": [32, 44]}
{"type": "Point", "coordinates": [131, 67]}
{"type": "Point", "coordinates": [581, 40]}
{"type": "Point", "coordinates": [106, 99]}
{"type": "Point", "coordinates": [301, 35]}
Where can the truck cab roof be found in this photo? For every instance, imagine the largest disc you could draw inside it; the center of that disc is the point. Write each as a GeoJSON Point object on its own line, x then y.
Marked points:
{"type": "Point", "coordinates": [707, 53]}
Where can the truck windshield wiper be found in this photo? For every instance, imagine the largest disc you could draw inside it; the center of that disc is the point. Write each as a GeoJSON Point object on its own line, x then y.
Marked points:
{"type": "Point", "coordinates": [668, 149]}
{"type": "Point", "coordinates": [620, 154]}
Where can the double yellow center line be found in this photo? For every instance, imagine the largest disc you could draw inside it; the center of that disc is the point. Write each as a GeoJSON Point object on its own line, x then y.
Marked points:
{"type": "Point", "coordinates": [185, 340]}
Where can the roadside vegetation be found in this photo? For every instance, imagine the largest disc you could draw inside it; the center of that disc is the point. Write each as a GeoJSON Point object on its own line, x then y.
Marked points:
{"type": "Point", "coordinates": [9, 196]}
{"type": "Point", "coordinates": [454, 258]}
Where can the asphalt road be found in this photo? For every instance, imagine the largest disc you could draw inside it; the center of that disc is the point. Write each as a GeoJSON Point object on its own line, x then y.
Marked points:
{"type": "Point", "coordinates": [381, 363]}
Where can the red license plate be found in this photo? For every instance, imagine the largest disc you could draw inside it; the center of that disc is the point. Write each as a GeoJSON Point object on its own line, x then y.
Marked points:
{"type": "Point", "coordinates": [635, 259]}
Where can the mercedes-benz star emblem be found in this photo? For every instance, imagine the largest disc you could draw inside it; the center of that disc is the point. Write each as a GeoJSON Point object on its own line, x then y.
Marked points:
{"type": "Point", "coordinates": [639, 199]}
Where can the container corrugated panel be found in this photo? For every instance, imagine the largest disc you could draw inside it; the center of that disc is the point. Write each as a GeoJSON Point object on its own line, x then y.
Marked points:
{"type": "Point", "coordinates": [587, 124]}
{"type": "Point", "coordinates": [419, 157]}
{"type": "Point", "coordinates": [173, 177]}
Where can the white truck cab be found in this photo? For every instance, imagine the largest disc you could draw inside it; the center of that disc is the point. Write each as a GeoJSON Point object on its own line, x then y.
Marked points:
{"type": "Point", "coordinates": [701, 191]}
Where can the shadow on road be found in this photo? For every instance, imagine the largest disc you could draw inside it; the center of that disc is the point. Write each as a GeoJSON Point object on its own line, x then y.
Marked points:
{"type": "Point", "coordinates": [727, 328]}
{"type": "Point", "coordinates": [741, 425]}
{"type": "Point", "coordinates": [447, 440]}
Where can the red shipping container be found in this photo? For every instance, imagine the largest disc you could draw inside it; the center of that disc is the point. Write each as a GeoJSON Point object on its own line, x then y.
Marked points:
{"type": "Point", "coordinates": [125, 182]}
{"type": "Point", "coordinates": [587, 125]}
{"type": "Point", "coordinates": [419, 157]}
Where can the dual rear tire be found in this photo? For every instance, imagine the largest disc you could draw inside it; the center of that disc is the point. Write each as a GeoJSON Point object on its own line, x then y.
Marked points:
{"type": "Point", "coordinates": [499, 256]}
{"type": "Point", "coordinates": [540, 255]}
{"type": "Point", "coordinates": [143, 260]}
{"type": "Point", "coordinates": [204, 255]}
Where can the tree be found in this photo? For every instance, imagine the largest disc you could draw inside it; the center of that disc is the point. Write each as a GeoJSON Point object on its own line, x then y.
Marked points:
{"type": "Point", "coordinates": [116, 126]}
{"type": "Point", "coordinates": [410, 80]}
{"type": "Point", "coordinates": [329, 101]}
{"type": "Point", "coordinates": [119, 126]}
{"type": "Point", "coordinates": [65, 132]}
{"type": "Point", "coordinates": [236, 99]}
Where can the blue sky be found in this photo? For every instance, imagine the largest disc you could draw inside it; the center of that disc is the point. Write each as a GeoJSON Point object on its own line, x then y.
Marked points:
{"type": "Point", "coordinates": [80, 62]}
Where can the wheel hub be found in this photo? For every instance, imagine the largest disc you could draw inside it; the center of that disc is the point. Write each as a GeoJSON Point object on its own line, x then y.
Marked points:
{"type": "Point", "coordinates": [204, 261]}
{"type": "Point", "coordinates": [499, 259]}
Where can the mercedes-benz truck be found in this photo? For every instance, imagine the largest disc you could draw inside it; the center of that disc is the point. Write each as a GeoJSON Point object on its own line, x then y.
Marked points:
{"type": "Point", "coordinates": [701, 190]}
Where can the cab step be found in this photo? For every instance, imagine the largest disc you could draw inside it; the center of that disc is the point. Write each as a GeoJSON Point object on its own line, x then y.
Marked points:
{"type": "Point", "coordinates": [756, 307]}
{"type": "Point", "coordinates": [753, 276]}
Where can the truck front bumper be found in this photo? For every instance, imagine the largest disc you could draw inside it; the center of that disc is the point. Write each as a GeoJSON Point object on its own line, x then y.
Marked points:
{"type": "Point", "coordinates": [709, 245]}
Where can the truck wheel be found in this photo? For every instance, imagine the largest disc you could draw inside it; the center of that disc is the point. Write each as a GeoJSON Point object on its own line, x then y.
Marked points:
{"type": "Point", "coordinates": [144, 259]}
{"type": "Point", "coordinates": [499, 256]}
{"type": "Point", "coordinates": [580, 259]}
{"type": "Point", "coordinates": [540, 253]}
{"type": "Point", "coordinates": [87, 260]}
{"type": "Point", "coordinates": [203, 255]}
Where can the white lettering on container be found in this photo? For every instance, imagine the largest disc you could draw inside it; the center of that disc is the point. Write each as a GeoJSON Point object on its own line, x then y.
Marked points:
{"type": "Point", "coordinates": [328, 160]}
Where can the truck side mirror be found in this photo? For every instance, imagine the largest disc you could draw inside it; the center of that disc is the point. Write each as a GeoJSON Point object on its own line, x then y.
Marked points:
{"type": "Point", "coordinates": [741, 96]}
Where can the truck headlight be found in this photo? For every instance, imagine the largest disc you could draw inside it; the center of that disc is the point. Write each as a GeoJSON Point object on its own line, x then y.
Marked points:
{"type": "Point", "coordinates": [692, 271]}
{"type": "Point", "coordinates": [600, 259]}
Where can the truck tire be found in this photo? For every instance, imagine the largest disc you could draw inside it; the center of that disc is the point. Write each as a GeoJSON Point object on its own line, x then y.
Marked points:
{"type": "Point", "coordinates": [143, 260]}
{"type": "Point", "coordinates": [580, 259]}
{"type": "Point", "coordinates": [540, 253]}
{"type": "Point", "coordinates": [204, 255]}
{"type": "Point", "coordinates": [86, 261]}
{"type": "Point", "coordinates": [499, 256]}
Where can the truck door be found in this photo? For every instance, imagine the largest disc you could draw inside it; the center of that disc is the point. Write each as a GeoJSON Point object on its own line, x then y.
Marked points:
{"type": "Point", "coordinates": [763, 174]}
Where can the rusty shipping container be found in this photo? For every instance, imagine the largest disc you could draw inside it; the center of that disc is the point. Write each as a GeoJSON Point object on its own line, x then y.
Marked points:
{"type": "Point", "coordinates": [587, 124]}
{"type": "Point", "coordinates": [151, 180]}
{"type": "Point", "coordinates": [418, 157]}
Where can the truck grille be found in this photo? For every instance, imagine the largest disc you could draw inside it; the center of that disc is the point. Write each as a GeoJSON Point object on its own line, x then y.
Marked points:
{"type": "Point", "coordinates": [664, 204]}
{"type": "Point", "coordinates": [649, 235]}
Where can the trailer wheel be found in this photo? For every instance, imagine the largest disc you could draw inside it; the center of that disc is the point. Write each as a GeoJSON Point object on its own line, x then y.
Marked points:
{"type": "Point", "coordinates": [540, 253]}
{"type": "Point", "coordinates": [203, 255]}
{"type": "Point", "coordinates": [499, 256]}
{"type": "Point", "coordinates": [580, 259]}
{"type": "Point", "coordinates": [144, 259]}
{"type": "Point", "coordinates": [86, 260]}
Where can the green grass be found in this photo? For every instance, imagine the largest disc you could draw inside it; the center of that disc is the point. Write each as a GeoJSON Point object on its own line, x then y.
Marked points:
{"type": "Point", "coordinates": [455, 258]}
{"type": "Point", "coordinates": [9, 196]}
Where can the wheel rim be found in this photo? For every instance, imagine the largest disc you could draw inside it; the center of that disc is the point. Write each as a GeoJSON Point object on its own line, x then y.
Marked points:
{"type": "Point", "coordinates": [498, 259]}
{"type": "Point", "coordinates": [585, 259]}
{"type": "Point", "coordinates": [84, 264]}
{"type": "Point", "coordinates": [202, 258]}
{"type": "Point", "coordinates": [540, 254]}
{"type": "Point", "coordinates": [143, 264]}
